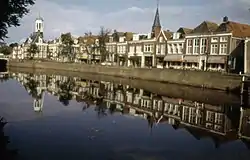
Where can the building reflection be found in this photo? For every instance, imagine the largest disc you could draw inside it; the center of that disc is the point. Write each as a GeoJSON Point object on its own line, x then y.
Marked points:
{"type": "Point", "coordinates": [222, 123]}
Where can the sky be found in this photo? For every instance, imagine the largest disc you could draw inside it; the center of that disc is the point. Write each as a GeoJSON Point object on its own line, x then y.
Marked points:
{"type": "Point", "coordinates": [81, 16]}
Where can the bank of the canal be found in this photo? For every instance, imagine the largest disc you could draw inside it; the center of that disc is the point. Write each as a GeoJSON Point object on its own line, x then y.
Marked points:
{"type": "Point", "coordinates": [211, 80]}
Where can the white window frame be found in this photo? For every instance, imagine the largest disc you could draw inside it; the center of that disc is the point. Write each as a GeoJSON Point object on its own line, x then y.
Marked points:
{"type": "Point", "coordinates": [132, 49]}
{"type": "Point", "coordinates": [223, 39]}
{"type": "Point", "coordinates": [214, 39]}
{"type": "Point", "coordinates": [169, 49]}
{"type": "Point", "coordinates": [148, 48]}
{"type": "Point", "coordinates": [214, 49]}
{"type": "Point", "coordinates": [196, 46]}
{"type": "Point", "coordinates": [223, 49]}
{"type": "Point", "coordinates": [203, 46]}
{"type": "Point", "coordinates": [189, 46]}
{"type": "Point", "coordinates": [174, 46]}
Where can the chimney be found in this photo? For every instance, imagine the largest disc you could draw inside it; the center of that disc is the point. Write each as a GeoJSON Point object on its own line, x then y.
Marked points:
{"type": "Point", "coordinates": [225, 19]}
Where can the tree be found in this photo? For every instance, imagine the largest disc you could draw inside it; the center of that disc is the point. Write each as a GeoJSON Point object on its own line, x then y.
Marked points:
{"type": "Point", "coordinates": [103, 38]}
{"type": "Point", "coordinates": [32, 50]}
{"type": "Point", "coordinates": [10, 14]}
{"type": "Point", "coordinates": [65, 89]}
{"type": "Point", "coordinates": [6, 50]}
{"type": "Point", "coordinates": [67, 46]}
{"type": "Point", "coordinates": [89, 45]}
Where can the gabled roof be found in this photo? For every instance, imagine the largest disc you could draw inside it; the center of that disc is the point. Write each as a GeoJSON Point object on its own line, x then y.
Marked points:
{"type": "Point", "coordinates": [183, 30]}
{"type": "Point", "coordinates": [237, 29]}
{"type": "Point", "coordinates": [166, 34]}
{"type": "Point", "coordinates": [205, 27]}
{"type": "Point", "coordinates": [34, 37]}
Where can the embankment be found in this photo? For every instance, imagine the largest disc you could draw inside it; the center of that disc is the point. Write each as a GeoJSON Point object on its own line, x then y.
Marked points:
{"type": "Point", "coordinates": [211, 80]}
{"type": "Point", "coordinates": [207, 96]}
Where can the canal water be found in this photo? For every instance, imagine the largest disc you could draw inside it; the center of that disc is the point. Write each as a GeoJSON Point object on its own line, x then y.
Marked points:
{"type": "Point", "coordinates": [58, 117]}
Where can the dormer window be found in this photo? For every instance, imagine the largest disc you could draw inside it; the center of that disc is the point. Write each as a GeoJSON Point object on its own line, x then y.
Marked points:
{"type": "Point", "coordinates": [110, 39]}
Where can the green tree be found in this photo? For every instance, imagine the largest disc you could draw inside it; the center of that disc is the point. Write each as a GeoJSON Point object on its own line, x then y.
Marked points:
{"type": "Point", "coordinates": [67, 46]}
{"type": "Point", "coordinates": [6, 50]}
{"type": "Point", "coordinates": [32, 50]}
{"type": "Point", "coordinates": [10, 14]}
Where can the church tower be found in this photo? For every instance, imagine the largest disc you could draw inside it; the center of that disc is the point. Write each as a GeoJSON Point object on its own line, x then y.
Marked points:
{"type": "Point", "coordinates": [39, 25]}
{"type": "Point", "coordinates": [38, 102]}
{"type": "Point", "coordinates": [156, 28]}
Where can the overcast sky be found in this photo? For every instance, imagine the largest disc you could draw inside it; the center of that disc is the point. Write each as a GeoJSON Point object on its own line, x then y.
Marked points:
{"type": "Point", "coordinates": [79, 16]}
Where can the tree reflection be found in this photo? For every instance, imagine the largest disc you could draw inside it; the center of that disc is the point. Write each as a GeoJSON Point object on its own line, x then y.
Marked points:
{"type": "Point", "coordinates": [5, 153]}
{"type": "Point", "coordinates": [31, 86]}
{"type": "Point", "coordinates": [65, 90]}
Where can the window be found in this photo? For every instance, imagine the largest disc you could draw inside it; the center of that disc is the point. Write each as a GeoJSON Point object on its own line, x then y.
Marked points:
{"type": "Point", "coordinates": [189, 46]}
{"type": "Point", "coordinates": [218, 118]}
{"type": "Point", "coordinates": [210, 116]}
{"type": "Point", "coordinates": [132, 49]}
{"type": "Point", "coordinates": [223, 49]}
{"type": "Point", "coordinates": [138, 49]}
{"type": "Point", "coordinates": [123, 49]}
{"type": "Point", "coordinates": [214, 39]}
{"type": "Point", "coordinates": [203, 45]}
{"type": "Point", "coordinates": [169, 49]}
{"type": "Point", "coordinates": [196, 46]}
{"type": "Point", "coordinates": [174, 48]}
{"type": "Point", "coordinates": [214, 49]}
{"type": "Point", "coordinates": [180, 46]}
{"type": "Point", "coordinates": [223, 39]}
{"type": "Point", "coordinates": [148, 48]}
{"type": "Point", "coordinates": [158, 49]}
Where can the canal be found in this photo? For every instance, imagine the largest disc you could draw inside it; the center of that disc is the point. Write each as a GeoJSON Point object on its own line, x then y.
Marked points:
{"type": "Point", "coordinates": [52, 116]}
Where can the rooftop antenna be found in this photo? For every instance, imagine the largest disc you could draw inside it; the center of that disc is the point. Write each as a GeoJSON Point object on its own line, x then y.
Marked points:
{"type": "Point", "coordinates": [157, 4]}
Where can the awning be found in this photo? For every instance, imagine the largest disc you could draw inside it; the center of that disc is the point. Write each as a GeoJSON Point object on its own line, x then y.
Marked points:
{"type": "Point", "coordinates": [173, 58]}
{"type": "Point", "coordinates": [216, 59]}
{"type": "Point", "coordinates": [191, 59]}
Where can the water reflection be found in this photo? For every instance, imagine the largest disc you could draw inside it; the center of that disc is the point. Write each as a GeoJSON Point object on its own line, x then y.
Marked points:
{"type": "Point", "coordinates": [222, 123]}
{"type": "Point", "coordinates": [5, 152]}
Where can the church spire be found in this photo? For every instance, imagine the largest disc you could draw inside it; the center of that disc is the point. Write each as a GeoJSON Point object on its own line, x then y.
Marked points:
{"type": "Point", "coordinates": [157, 22]}
{"type": "Point", "coordinates": [156, 28]}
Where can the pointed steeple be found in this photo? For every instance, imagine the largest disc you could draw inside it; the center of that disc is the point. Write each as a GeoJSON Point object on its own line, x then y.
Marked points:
{"type": "Point", "coordinates": [157, 22]}
{"type": "Point", "coordinates": [156, 28]}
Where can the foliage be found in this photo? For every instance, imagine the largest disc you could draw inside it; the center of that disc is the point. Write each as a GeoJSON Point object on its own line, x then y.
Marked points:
{"type": "Point", "coordinates": [32, 50]}
{"type": "Point", "coordinates": [103, 38]}
{"type": "Point", "coordinates": [12, 45]}
{"type": "Point", "coordinates": [65, 90]}
{"type": "Point", "coordinates": [66, 47]}
{"type": "Point", "coordinates": [88, 43]}
{"type": "Point", "coordinates": [32, 85]}
{"type": "Point", "coordinates": [6, 50]}
{"type": "Point", "coordinates": [10, 14]}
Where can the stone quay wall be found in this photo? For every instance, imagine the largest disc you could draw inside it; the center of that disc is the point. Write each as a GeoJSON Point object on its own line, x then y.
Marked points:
{"type": "Point", "coordinates": [211, 80]}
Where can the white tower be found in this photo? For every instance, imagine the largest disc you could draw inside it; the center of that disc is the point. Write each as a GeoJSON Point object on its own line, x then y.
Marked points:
{"type": "Point", "coordinates": [39, 26]}
{"type": "Point", "coordinates": [38, 102]}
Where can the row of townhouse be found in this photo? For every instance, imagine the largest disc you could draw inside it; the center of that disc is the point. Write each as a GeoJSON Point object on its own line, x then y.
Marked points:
{"type": "Point", "coordinates": [206, 47]}
{"type": "Point", "coordinates": [181, 113]}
